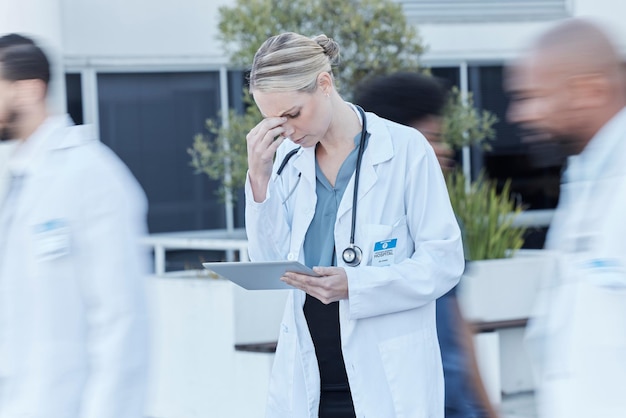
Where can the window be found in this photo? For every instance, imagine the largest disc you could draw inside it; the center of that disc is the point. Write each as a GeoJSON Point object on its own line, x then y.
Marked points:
{"type": "Point", "coordinates": [150, 120]}
{"type": "Point", "coordinates": [74, 97]}
{"type": "Point", "coordinates": [535, 169]}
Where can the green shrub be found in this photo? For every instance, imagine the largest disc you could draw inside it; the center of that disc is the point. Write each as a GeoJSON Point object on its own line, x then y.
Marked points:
{"type": "Point", "coordinates": [486, 217]}
{"type": "Point", "coordinates": [464, 125]}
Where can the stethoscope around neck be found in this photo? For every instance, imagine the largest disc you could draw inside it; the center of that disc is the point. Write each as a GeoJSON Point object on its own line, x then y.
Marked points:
{"type": "Point", "coordinates": [352, 255]}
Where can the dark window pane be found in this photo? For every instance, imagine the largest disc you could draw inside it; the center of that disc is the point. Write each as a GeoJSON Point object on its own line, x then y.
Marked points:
{"type": "Point", "coordinates": [237, 82]}
{"type": "Point", "coordinates": [150, 120]}
{"type": "Point", "coordinates": [74, 97]}
{"type": "Point", "coordinates": [534, 168]}
{"type": "Point", "coordinates": [451, 75]}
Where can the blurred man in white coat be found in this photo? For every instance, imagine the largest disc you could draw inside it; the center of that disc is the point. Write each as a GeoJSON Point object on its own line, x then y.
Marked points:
{"type": "Point", "coordinates": [569, 87]}
{"type": "Point", "coordinates": [6, 148]}
{"type": "Point", "coordinates": [7, 144]}
{"type": "Point", "coordinates": [73, 323]}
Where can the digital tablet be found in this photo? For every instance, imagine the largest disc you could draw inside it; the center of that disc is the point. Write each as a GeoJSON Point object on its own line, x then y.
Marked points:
{"type": "Point", "coordinates": [264, 275]}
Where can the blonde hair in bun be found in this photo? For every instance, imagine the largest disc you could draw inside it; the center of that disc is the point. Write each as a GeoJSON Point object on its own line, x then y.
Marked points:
{"type": "Point", "coordinates": [330, 47]}
{"type": "Point", "coordinates": [292, 62]}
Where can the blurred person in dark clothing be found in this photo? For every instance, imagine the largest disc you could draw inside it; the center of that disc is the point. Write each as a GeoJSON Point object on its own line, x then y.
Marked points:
{"type": "Point", "coordinates": [418, 100]}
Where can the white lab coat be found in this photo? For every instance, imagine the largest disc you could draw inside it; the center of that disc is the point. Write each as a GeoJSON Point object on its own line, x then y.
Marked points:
{"type": "Point", "coordinates": [73, 323]}
{"type": "Point", "coordinates": [6, 148]}
{"type": "Point", "coordinates": [578, 337]}
{"type": "Point", "coordinates": [388, 334]}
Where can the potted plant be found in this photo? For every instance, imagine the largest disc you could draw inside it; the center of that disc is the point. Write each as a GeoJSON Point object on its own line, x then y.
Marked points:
{"type": "Point", "coordinates": [499, 283]}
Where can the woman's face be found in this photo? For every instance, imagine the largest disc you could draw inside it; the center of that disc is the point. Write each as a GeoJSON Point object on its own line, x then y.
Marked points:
{"type": "Point", "coordinates": [308, 114]}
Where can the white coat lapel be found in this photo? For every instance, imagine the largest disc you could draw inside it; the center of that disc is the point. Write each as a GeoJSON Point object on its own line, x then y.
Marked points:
{"type": "Point", "coordinates": [36, 184]}
{"type": "Point", "coordinates": [304, 163]}
{"type": "Point", "coordinates": [379, 149]}
{"type": "Point", "coordinates": [306, 198]}
{"type": "Point", "coordinates": [38, 171]}
{"type": "Point", "coordinates": [6, 148]}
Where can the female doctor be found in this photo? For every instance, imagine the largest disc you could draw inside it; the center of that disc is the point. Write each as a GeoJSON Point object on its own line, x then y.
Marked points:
{"type": "Point", "coordinates": [361, 200]}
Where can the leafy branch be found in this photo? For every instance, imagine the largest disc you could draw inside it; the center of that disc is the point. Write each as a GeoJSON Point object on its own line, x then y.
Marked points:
{"type": "Point", "coordinates": [463, 124]}
{"type": "Point", "coordinates": [223, 150]}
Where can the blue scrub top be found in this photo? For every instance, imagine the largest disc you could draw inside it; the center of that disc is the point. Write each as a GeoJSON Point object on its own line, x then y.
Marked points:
{"type": "Point", "coordinates": [319, 242]}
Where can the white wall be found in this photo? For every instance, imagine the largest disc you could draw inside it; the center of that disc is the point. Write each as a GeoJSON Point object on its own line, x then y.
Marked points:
{"type": "Point", "coordinates": [501, 41]}
{"type": "Point", "coordinates": [146, 29]}
{"type": "Point", "coordinates": [184, 31]}
{"type": "Point", "coordinates": [476, 41]}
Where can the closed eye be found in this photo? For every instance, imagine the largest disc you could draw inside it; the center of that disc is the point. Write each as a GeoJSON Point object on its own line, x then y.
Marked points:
{"type": "Point", "coordinates": [293, 116]}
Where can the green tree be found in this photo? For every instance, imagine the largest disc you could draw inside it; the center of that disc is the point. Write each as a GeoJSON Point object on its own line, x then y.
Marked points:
{"type": "Point", "coordinates": [464, 125]}
{"type": "Point", "coordinates": [374, 37]}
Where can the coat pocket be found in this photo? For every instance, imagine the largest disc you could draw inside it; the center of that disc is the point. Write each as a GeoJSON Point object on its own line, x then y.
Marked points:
{"type": "Point", "coordinates": [377, 233]}
{"type": "Point", "coordinates": [405, 246]}
{"type": "Point", "coordinates": [373, 233]}
{"type": "Point", "coordinates": [415, 381]}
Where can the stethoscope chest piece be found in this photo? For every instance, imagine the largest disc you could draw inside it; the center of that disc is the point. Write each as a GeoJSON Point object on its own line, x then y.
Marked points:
{"type": "Point", "coordinates": [352, 255]}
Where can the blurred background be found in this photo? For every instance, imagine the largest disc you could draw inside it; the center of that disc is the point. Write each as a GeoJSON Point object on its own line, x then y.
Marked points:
{"type": "Point", "coordinates": [149, 73]}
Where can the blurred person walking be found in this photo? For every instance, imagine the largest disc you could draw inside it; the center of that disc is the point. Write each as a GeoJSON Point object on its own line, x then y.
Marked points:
{"type": "Point", "coordinates": [7, 144]}
{"type": "Point", "coordinates": [73, 323]}
{"type": "Point", "coordinates": [569, 87]}
{"type": "Point", "coordinates": [418, 100]}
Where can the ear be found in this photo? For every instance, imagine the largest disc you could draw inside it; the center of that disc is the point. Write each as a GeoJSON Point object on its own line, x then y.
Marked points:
{"type": "Point", "coordinates": [30, 92]}
{"type": "Point", "coordinates": [589, 90]}
{"type": "Point", "coordinates": [325, 82]}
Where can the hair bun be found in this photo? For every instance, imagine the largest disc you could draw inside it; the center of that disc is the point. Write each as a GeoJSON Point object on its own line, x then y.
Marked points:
{"type": "Point", "coordinates": [330, 47]}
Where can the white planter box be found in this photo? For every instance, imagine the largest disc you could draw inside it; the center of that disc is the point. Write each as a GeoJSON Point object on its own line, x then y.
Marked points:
{"type": "Point", "coordinates": [503, 289]}
{"type": "Point", "coordinates": [194, 368]}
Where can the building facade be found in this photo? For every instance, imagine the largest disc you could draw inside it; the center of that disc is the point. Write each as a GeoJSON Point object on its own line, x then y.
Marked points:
{"type": "Point", "coordinates": [149, 74]}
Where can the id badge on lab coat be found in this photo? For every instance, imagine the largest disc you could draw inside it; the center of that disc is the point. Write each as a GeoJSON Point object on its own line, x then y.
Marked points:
{"type": "Point", "coordinates": [384, 252]}
{"type": "Point", "coordinates": [51, 239]}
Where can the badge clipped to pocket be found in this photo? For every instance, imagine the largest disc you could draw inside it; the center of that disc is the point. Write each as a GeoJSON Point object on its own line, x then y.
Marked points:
{"type": "Point", "coordinates": [384, 252]}
{"type": "Point", "coordinates": [52, 239]}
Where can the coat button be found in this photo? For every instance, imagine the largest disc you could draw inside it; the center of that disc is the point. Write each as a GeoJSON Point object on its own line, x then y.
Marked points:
{"type": "Point", "coordinates": [291, 256]}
